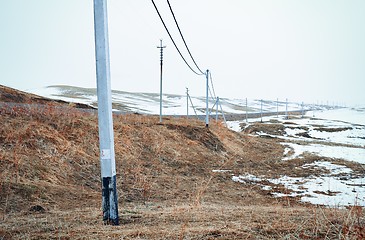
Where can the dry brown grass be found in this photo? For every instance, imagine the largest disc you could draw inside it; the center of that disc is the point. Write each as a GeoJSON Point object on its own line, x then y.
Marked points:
{"type": "Point", "coordinates": [209, 221]}
{"type": "Point", "coordinates": [167, 189]}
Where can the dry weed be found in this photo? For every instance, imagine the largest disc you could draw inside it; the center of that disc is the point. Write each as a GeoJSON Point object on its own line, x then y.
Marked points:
{"type": "Point", "coordinates": [166, 184]}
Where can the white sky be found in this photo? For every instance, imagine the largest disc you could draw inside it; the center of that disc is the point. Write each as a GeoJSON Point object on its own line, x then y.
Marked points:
{"type": "Point", "coordinates": [305, 50]}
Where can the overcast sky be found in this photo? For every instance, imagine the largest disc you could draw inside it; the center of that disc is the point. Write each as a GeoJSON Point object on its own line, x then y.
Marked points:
{"type": "Point", "coordinates": [304, 50]}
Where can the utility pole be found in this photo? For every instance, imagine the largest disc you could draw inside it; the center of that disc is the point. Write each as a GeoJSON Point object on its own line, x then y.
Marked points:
{"type": "Point", "coordinates": [206, 101]}
{"type": "Point", "coordinates": [161, 63]}
{"type": "Point", "coordinates": [246, 111]}
{"type": "Point", "coordinates": [261, 110]}
{"type": "Point", "coordinates": [105, 117]}
{"type": "Point", "coordinates": [286, 110]}
{"type": "Point", "coordinates": [277, 107]}
{"type": "Point", "coordinates": [187, 102]}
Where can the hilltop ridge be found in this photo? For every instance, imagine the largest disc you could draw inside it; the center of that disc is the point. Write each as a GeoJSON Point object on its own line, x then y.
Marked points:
{"type": "Point", "coordinates": [11, 95]}
{"type": "Point", "coordinates": [173, 104]}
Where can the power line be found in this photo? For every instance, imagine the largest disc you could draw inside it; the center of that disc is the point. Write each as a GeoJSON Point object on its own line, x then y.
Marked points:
{"type": "Point", "coordinates": [177, 25]}
{"type": "Point", "coordinates": [168, 32]}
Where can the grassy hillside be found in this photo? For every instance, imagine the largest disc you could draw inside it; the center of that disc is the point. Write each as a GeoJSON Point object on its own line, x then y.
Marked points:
{"type": "Point", "coordinates": [171, 182]}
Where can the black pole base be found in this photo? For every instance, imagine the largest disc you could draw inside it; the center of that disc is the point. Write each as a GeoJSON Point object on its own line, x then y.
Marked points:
{"type": "Point", "coordinates": [110, 201]}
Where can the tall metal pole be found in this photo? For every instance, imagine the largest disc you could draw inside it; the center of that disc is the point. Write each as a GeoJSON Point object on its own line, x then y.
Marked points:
{"type": "Point", "coordinates": [105, 117]}
{"type": "Point", "coordinates": [161, 63]}
{"type": "Point", "coordinates": [206, 101]}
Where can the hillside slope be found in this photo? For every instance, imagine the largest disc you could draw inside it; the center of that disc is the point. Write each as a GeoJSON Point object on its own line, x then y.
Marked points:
{"type": "Point", "coordinates": [10, 95]}
{"type": "Point", "coordinates": [173, 104]}
{"type": "Point", "coordinates": [174, 181]}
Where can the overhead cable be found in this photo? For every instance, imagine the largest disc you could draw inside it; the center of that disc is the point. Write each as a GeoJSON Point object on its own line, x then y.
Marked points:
{"type": "Point", "coordinates": [177, 25]}
{"type": "Point", "coordinates": [168, 32]}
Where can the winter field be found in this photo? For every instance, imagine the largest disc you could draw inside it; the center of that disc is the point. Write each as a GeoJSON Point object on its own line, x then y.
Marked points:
{"type": "Point", "coordinates": [337, 134]}
{"type": "Point", "coordinates": [261, 178]}
{"type": "Point", "coordinates": [148, 103]}
{"type": "Point", "coordinates": [328, 132]}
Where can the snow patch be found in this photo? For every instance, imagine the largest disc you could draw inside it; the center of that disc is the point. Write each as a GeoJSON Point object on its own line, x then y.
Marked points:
{"type": "Point", "coordinates": [336, 189]}
{"type": "Point", "coordinates": [339, 152]}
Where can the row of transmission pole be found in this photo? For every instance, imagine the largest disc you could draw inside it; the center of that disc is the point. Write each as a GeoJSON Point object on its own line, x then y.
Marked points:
{"type": "Point", "coordinates": [161, 47]}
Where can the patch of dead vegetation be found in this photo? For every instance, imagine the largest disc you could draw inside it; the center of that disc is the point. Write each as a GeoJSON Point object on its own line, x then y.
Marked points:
{"type": "Point", "coordinates": [272, 128]}
{"type": "Point", "coordinates": [166, 185]}
{"type": "Point", "coordinates": [187, 222]}
{"type": "Point", "coordinates": [327, 129]}
{"type": "Point", "coordinates": [201, 134]}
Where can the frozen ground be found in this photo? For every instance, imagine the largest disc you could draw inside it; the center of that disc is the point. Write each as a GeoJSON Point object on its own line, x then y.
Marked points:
{"type": "Point", "coordinates": [334, 134]}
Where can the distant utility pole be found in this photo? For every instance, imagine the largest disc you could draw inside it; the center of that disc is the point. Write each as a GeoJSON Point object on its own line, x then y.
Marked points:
{"type": "Point", "coordinates": [161, 63]}
{"type": "Point", "coordinates": [261, 110]}
{"type": "Point", "coordinates": [105, 117]}
{"type": "Point", "coordinates": [246, 111]}
{"type": "Point", "coordinates": [187, 102]}
{"type": "Point", "coordinates": [286, 110]}
{"type": "Point", "coordinates": [207, 101]}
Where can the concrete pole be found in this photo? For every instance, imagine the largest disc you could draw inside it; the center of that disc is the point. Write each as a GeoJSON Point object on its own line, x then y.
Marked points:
{"type": "Point", "coordinates": [207, 100]}
{"type": "Point", "coordinates": [161, 63]}
{"type": "Point", "coordinates": [246, 112]}
{"type": "Point", "coordinates": [302, 109]}
{"type": "Point", "coordinates": [286, 109]}
{"type": "Point", "coordinates": [105, 117]}
{"type": "Point", "coordinates": [261, 110]}
{"type": "Point", "coordinates": [277, 107]}
{"type": "Point", "coordinates": [187, 102]}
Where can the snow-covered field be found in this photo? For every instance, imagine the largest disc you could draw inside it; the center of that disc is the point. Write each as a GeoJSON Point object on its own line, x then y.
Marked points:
{"type": "Point", "coordinates": [148, 103]}
{"type": "Point", "coordinates": [333, 134]}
